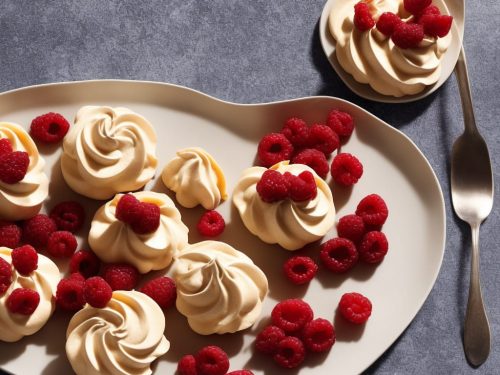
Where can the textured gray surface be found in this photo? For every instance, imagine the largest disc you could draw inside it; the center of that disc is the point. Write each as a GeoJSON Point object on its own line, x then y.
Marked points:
{"type": "Point", "coordinates": [258, 51]}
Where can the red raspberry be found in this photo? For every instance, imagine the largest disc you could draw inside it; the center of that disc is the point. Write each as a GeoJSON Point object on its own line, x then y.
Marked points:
{"type": "Point", "coordinates": [62, 244]}
{"type": "Point", "coordinates": [314, 159]}
{"type": "Point", "coordinates": [273, 148]}
{"type": "Point", "coordinates": [5, 275]}
{"type": "Point", "coordinates": [97, 292]}
{"type": "Point", "coordinates": [296, 131]}
{"type": "Point", "coordinates": [49, 128]}
{"type": "Point", "coordinates": [121, 276]}
{"type": "Point", "coordinates": [162, 290]}
{"type": "Point", "coordinates": [318, 335]}
{"type": "Point", "coordinates": [346, 169]}
{"type": "Point", "coordinates": [14, 166]}
{"type": "Point", "coordinates": [146, 219]}
{"type": "Point", "coordinates": [373, 247]}
{"type": "Point", "coordinates": [68, 216]}
{"type": "Point", "coordinates": [355, 307]}
{"type": "Point", "coordinates": [268, 339]}
{"type": "Point", "coordinates": [363, 19]}
{"type": "Point", "coordinates": [23, 301]}
{"type": "Point", "coordinates": [302, 187]}
{"type": "Point", "coordinates": [77, 277]}
{"type": "Point", "coordinates": [272, 186]}
{"type": "Point", "coordinates": [290, 353]}
{"type": "Point", "coordinates": [187, 365]}
{"type": "Point", "coordinates": [436, 25]}
{"type": "Point", "coordinates": [5, 147]}
{"type": "Point", "coordinates": [25, 259]}
{"type": "Point", "coordinates": [300, 270]}
{"type": "Point", "coordinates": [387, 22]}
{"type": "Point", "coordinates": [126, 208]}
{"type": "Point", "coordinates": [85, 263]}
{"type": "Point", "coordinates": [212, 360]}
{"type": "Point", "coordinates": [69, 294]}
{"type": "Point", "coordinates": [431, 9]}
{"type": "Point", "coordinates": [373, 210]}
{"type": "Point", "coordinates": [407, 35]}
{"type": "Point", "coordinates": [341, 123]}
{"type": "Point", "coordinates": [338, 255]}
{"type": "Point", "coordinates": [10, 234]}
{"type": "Point", "coordinates": [240, 372]}
{"type": "Point", "coordinates": [323, 138]}
{"type": "Point", "coordinates": [291, 315]}
{"type": "Point", "coordinates": [37, 230]}
{"type": "Point", "coordinates": [416, 6]}
{"type": "Point", "coordinates": [211, 224]}
{"type": "Point", "coordinates": [351, 227]}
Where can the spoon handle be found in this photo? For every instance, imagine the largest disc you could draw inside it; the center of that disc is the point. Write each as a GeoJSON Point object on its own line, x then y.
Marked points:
{"type": "Point", "coordinates": [465, 95]}
{"type": "Point", "coordinates": [476, 328]}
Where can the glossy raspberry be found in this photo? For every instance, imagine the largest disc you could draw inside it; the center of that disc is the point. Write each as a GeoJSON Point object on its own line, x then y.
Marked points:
{"type": "Point", "coordinates": [14, 166]}
{"type": "Point", "coordinates": [10, 234]}
{"type": "Point", "coordinates": [363, 19]}
{"type": "Point", "coordinates": [431, 9]}
{"type": "Point", "coordinates": [373, 247]}
{"type": "Point", "coordinates": [436, 25]}
{"type": "Point", "coordinates": [211, 224]}
{"type": "Point", "coordinates": [318, 335]}
{"type": "Point", "coordinates": [240, 372]}
{"type": "Point", "coordinates": [85, 263]}
{"type": "Point", "coordinates": [272, 186]}
{"type": "Point", "coordinates": [49, 128]}
{"type": "Point", "coordinates": [273, 148]}
{"type": "Point", "coordinates": [296, 131]}
{"type": "Point", "coordinates": [351, 227]}
{"type": "Point", "coordinates": [25, 259]}
{"type": "Point", "coordinates": [268, 339]}
{"type": "Point", "coordinates": [23, 301]}
{"type": "Point", "coordinates": [387, 22]}
{"type": "Point", "coordinates": [407, 35]}
{"type": "Point", "coordinates": [5, 275]}
{"type": "Point", "coordinates": [291, 352]}
{"type": "Point", "coordinates": [69, 294]}
{"type": "Point", "coordinates": [338, 255]}
{"type": "Point", "coordinates": [341, 123]}
{"type": "Point", "coordinates": [97, 292]}
{"type": "Point", "coordinates": [314, 159]}
{"type": "Point", "coordinates": [146, 219]}
{"type": "Point", "coordinates": [62, 244]}
{"type": "Point", "coordinates": [373, 210]}
{"type": "Point", "coordinates": [162, 290]}
{"type": "Point", "coordinates": [291, 315]}
{"type": "Point", "coordinates": [416, 6]}
{"type": "Point", "coordinates": [68, 216]}
{"type": "Point", "coordinates": [323, 138]}
{"type": "Point", "coordinates": [126, 208]}
{"type": "Point", "coordinates": [37, 230]}
{"type": "Point", "coordinates": [121, 276]}
{"type": "Point", "coordinates": [355, 307]}
{"type": "Point", "coordinates": [300, 269]}
{"type": "Point", "coordinates": [212, 360]}
{"type": "Point", "coordinates": [5, 147]}
{"type": "Point", "coordinates": [187, 365]}
{"type": "Point", "coordinates": [302, 187]}
{"type": "Point", "coordinates": [346, 169]}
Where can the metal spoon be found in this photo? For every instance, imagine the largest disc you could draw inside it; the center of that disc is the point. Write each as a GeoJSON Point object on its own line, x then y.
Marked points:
{"type": "Point", "coordinates": [472, 196]}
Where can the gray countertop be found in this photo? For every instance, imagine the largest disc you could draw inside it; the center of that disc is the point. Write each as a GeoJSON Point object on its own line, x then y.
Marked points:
{"type": "Point", "coordinates": [260, 51]}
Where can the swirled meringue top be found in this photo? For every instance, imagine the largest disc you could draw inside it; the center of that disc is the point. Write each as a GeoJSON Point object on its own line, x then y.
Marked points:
{"type": "Point", "coordinates": [124, 337]}
{"type": "Point", "coordinates": [24, 199]}
{"type": "Point", "coordinates": [373, 58]}
{"type": "Point", "coordinates": [196, 178]}
{"type": "Point", "coordinates": [219, 289]}
{"type": "Point", "coordinates": [290, 224]}
{"type": "Point", "coordinates": [108, 151]}
{"type": "Point", "coordinates": [114, 241]}
{"type": "Point", "coordinates": [44, 280]}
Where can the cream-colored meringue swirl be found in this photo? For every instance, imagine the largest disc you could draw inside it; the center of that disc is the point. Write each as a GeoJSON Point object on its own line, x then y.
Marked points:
{"type": "Point", "coordinates": [196, 178]}
{"type": "Point", "coordinates": [373, 58]}
{"type": "Point", "coordinates": [114, 241]}
{"type": "Point", "coordinates": [24, 199]}
{"type": "Point", "coordinates": [219, 289]}
{"type": "Point", "coordinates": [43, 280]}
{"type": "Point", "coordinates": [108, 151]}
{"type": "Point", "coordinates": [290, 224]}
{"type": "Point", "coordinates": [124, 337]}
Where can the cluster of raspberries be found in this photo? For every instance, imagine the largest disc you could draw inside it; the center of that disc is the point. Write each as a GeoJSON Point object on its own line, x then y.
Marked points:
{"type": "Point", "coordinates": [209, 360]}
{"type": "Point", "coordinates": [426, 20]}
{"type": "Point", "coordinates": [274, 186]}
